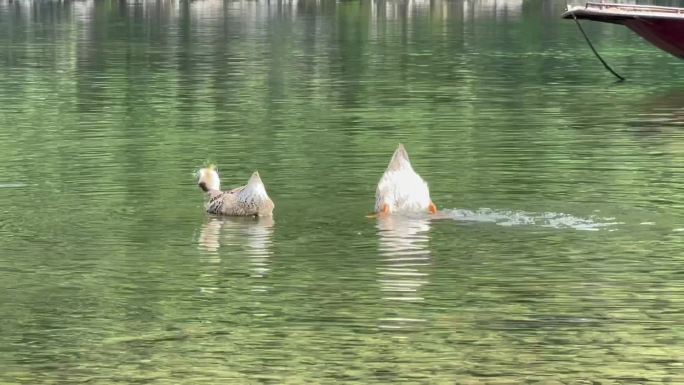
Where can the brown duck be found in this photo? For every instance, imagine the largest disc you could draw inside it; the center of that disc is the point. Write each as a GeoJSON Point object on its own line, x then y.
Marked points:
{"type": "Point", "coordinates": [248, 200]}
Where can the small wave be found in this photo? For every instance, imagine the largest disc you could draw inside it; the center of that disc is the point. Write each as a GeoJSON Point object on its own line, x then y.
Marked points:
{"type": "Point", "coordinates": [523, 218]}
{"type": "Point", "coordinates": [12, 185]}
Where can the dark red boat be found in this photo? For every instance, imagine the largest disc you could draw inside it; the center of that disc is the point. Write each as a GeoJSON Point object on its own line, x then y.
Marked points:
{"type": "Point", "coordinates": [661, 26]}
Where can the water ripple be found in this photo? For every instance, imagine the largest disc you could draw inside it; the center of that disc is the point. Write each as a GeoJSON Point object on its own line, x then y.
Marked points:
{"type": "Point", "coordinates": [404, 243]}
{"type": "Point", "coordinates": [522, 218]}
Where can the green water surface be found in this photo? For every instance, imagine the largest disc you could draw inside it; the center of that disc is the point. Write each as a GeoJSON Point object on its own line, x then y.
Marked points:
{"type": "Point", "coordinates": [558, 257]}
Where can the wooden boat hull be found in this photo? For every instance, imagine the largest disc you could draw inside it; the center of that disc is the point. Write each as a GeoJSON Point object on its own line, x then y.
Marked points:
{"type": "Point", "coordinates": [660, 26]}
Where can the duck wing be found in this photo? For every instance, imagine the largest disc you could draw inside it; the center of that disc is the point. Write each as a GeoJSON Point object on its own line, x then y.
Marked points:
{"type": "Point", "coordinates": [223, 203]}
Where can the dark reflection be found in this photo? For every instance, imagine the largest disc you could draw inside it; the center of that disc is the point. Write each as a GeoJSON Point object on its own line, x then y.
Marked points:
{"type": "Point", "coordinates": [660, 113]}
{"type": "Point", "coordinates": [246, 237]}
{"type": "Point", "coordinates": [405, 255]}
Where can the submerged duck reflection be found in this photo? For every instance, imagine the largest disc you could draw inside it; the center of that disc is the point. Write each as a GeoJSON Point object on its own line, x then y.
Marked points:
{"type": "Point", "coordinates": [251, 237]}
{"type": "Point", "coordinates": [404, 248]}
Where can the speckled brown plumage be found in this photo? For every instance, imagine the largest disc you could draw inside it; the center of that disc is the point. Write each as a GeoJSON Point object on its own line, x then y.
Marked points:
{"type": "Point", "coordinates": [248, 200]}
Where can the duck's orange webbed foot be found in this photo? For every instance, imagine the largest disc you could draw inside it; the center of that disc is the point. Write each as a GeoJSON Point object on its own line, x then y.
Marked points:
{"type": "Point", "coordinates": [432, 208]}
{"type": "Point", "coordinates": [382, 213]}
{"type": "Point", "coordinates": [385, 212]}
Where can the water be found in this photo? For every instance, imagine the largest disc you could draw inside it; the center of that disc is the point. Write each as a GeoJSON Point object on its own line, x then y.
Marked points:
{"type": "Point", "coordinates": [556, 257]}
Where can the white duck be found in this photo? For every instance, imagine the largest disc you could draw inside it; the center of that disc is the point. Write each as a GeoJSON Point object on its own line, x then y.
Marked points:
{"type": "Point", "coordinates": [248, 200]}
{"type": "Point", "coordinates": [402, 190]}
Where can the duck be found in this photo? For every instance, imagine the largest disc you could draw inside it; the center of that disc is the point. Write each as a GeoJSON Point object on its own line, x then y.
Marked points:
{"type": "Point", "coordinates": [401, 189]}
{"type": "Point", "coordinates": [248, 200]}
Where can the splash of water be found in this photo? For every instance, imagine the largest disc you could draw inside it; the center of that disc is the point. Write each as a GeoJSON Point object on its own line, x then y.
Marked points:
{"type": "Point", "coordinates": [523, 218]}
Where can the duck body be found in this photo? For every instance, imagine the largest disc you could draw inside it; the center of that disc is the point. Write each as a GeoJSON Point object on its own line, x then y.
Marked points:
{"type": "Point", "coordinates": [401, 189]}
{"type": "Point", "coordinates": [248, 200]}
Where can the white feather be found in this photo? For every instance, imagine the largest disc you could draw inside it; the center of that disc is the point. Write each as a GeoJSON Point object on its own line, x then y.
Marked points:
{"type": "Point", "coordinates": [400, 187]}
{"type": "Point", "coordinates": [254, 191]}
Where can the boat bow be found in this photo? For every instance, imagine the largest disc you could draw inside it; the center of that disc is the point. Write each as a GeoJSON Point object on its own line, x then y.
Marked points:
{"type": "Point", "coordinates": [661, 26]}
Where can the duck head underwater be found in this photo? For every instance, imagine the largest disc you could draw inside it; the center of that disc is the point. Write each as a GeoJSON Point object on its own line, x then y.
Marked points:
{"type": "Point", "coordinates": [401, 189]}
{"type": "Point", "coordinates": [248, 200]}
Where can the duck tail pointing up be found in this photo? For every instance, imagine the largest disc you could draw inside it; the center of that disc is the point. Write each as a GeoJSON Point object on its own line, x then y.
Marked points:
{"type": "Point", "coordinates": [255, 187]}
{"type": "Point", "coordinates": [399, 159]}
{"type": "Point", "coordinates": [255, 180]}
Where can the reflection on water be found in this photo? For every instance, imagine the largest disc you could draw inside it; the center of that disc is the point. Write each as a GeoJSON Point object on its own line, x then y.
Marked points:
{"type": "Point", "coordinates": [404, 255]}
{"type": "Point", "coordinates": [659, 114]}
{"type": "Point", "coordinates": [248, 238]}
{"type": "Point", "coordinates": [446, 9]}
{"type": "Point", "coordinates": [209, 236]}
{"type": "Point", "coordinates": [202, 12]}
